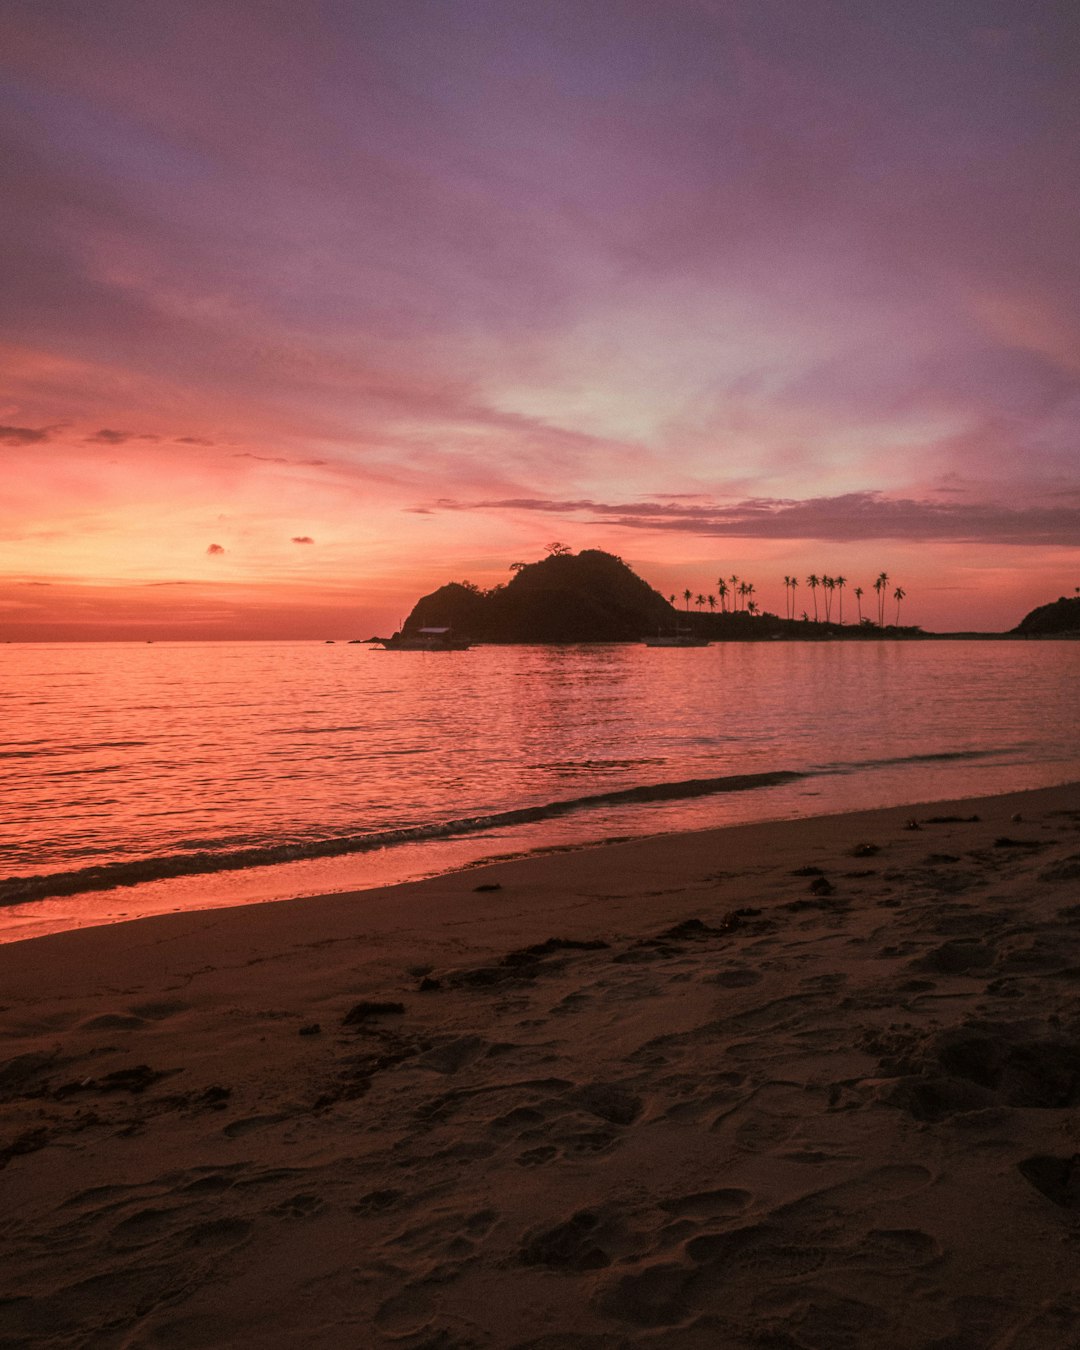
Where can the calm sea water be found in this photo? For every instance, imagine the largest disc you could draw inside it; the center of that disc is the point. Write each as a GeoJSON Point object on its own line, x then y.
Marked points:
{"type": "Point", "coordinates": [139, 778]}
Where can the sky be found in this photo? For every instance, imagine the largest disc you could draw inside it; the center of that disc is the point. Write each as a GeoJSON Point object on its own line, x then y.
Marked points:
{"type": "Point", "coordinates": [308, 309]}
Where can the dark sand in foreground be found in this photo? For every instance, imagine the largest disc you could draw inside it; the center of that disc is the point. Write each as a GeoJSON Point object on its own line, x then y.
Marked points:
{"type": "Point", "coordinates": [808, 1084]}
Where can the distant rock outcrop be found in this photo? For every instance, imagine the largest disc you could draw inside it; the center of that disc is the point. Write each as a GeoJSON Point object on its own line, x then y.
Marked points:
{"type": "Point", "coordinates": [1061, 616]}
{"type": "Point", "coordinates": [590, 596]}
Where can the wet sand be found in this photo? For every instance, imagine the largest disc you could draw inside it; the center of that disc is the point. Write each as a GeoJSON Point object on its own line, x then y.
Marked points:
{"type": "Point", "coordinates": [804, 1084]}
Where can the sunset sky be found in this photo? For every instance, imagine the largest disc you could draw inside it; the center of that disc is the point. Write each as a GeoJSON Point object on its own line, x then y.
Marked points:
{"type": "Point", "coordinates": [308, 308]}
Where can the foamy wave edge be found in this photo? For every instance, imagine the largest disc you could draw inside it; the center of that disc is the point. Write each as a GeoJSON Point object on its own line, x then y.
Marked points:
{"type": "Point", "coordinates": [21, 889]}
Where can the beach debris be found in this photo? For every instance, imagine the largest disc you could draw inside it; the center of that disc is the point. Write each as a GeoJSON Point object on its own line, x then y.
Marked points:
{"type": "Point", "coordinates": [912, 825]}
{"type": "Point", "coordinates": [957, 957]}
{"type": "Point", "coordinates": [821, 886]}
{"type": "Point", "coordinates": [865, 850]}
{"type": "Point", "coordinates": [366, 1008]}
{"type": "Point", "coordinates": [489, 886]}
{"type": "Point", "coordinates": [136, 1079]}
{"type": "Point", "coordinates": [1056, 1178]}
{"type": "Point", "coordinates": [375, 1202]}
{"type": "Point", "coordinates": [538, 950]}
{"type": "Point", "coordinates": [1068, 869]}
{"type": "Point", "coordinates": [30, 1141]}
{"type": "Point", "coordinates": [214, 1097]}
{"type": "Point", "coordinates": [310, 1029]}
{"type": "Point", "coordinates": [689, 928]}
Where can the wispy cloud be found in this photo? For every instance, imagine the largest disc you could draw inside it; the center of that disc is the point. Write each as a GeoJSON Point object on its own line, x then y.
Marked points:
{"type": "Point", "coordinates": [302, 539]}
{"type": "Point", "coordinates": [25, 435]}
{"type": "Point", "coordinates": [107, 436]}
{"type": "Point", "coordinates": [851, 517]}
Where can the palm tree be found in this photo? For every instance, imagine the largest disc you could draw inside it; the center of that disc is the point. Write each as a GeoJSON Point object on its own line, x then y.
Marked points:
{"type": "Point", "coordinates": [711, 599]}
{"type": "Point", "coordinates": [721, 590]}
{"type": "Point", "coordinates": [880, 586]}
{"type": "Point", "coordinates": [687, 595]}
{"type": "Point", "coordinates": [700, 601]}
{"type": "Point", "coordinates": [734, 592]}
{"type": "Point", "coordinates": [841, 582]}
{"type": "Point", "coordinates": [794, 583]}
{"type": "Point", "coordinates": [828, 586]}
{"type": "Point", "coordinates": [788, 597]}
{"type": "Point", "coordinates": [744, 590]}
{"type": "Point", "coordinates": [858, 601]}
{"type": "Point", "coordinates": [751, 607]}
{"type": "Point", "coordinates": [898, 595]}
{"type": "Point", "coordinates": [749, 594]}
{"type": "Point", "coordinates": [813, 581]}
{"type": "Point", "coordinates": [671, 600]}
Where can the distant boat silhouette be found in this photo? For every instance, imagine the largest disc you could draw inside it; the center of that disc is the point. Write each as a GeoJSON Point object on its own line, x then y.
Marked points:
{"type": "Point", "coordinates": [682, 637]}
{"type": "Point", "coordinates": [423, 640]}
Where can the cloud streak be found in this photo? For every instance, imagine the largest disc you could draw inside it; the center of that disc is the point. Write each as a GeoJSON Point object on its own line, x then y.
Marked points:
{"type": "Point", "coordinates": [25, 435]}
{"type": "Point", "coordinates": [852, 517]}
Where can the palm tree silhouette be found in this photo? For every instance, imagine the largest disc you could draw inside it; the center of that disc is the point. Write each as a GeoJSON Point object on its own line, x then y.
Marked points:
{"type": "Point", "coordinates": [814, 582]}
{"type": "Point", "coordinates": [700, 601]}
{"type": "Point", "coordinates": [858, 601]}
{"type": "Point", "coordinates": [734, 592]}
{"type": "Point", "coordinates": [794, 583]}
{"type": "Point", "coordinates": [841, 582]}
{"type": "Point", "coordinates": [789, 599]}
{"type": "Point", "coordinates": [721, 590]}
{"type": "Point", "coordinates": [687, 595]}
{"type": "Point", "coordinates": [828, 585]}
{"type": "Point", "coordinates": [880, 586]}
{"type": "Point", "coordinates": [711, 599]}
{"type": "Point", "coordinates": [898, 595]}
{"type": "Point", "coordinates": [751, 606]}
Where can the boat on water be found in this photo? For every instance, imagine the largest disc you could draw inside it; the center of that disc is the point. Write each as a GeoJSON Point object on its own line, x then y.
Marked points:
{"type": "Point", "coordinates": [423, 640]}
{"type": "Point", "coordinates": [682, 637]}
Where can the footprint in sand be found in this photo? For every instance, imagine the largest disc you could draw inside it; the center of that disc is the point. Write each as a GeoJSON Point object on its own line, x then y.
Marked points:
{"type": "Point", "coordinates": [217, 1233]}
{"type": "Point", "coordinates": [407, 1312]}
{"type": "Point", "coordinates": [236, 1128]}
{"type": "Point", "coordinates": [728, 1202]}
{"type": "Point", "coordinates": [158, 1010]}
{"type": "Point", "coordinates": [113, 1022]}
{"type": "Point", "coordinates": [145, 1226]}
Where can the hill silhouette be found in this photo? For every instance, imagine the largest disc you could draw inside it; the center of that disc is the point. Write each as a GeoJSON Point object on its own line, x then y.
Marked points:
{"type": "Point", "coordinates": [591, 596]}
{"type": "Point", "coordinates": [1060, 616]}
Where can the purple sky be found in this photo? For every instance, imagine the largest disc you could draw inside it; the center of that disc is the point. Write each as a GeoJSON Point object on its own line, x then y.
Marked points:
{"type": "Point", "coordinates": [372, 295]}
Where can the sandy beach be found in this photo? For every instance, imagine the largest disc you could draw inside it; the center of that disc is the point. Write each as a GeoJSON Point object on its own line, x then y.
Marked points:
{"type": "Point", "coordinates": [809, 1084]}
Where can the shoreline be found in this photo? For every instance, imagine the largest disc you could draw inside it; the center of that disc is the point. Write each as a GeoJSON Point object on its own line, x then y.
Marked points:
{"type": "Point", "coordinates": [811, 1078]}
{"type": "Point", "coordinates": [406, 862]}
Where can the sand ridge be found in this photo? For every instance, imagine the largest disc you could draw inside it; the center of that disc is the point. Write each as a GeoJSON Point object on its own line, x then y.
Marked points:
{"type": "Point", "coordinates": [803, 1085]}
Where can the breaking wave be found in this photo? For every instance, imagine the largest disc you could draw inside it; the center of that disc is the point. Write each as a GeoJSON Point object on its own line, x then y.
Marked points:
{"type": "Point", "coordinates": [104, 876]}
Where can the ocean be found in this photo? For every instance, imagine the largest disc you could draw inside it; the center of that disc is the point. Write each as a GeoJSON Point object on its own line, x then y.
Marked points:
{"type": "Point", "coordinates": [145, 778]}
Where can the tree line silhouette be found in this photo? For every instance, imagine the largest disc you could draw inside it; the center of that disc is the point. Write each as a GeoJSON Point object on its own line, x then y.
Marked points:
{"type": "Point", "coordinates": [740, 591]}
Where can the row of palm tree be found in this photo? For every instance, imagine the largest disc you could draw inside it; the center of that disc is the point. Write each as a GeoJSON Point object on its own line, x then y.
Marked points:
{"type": "Point", "coordinates": [740, 590]}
